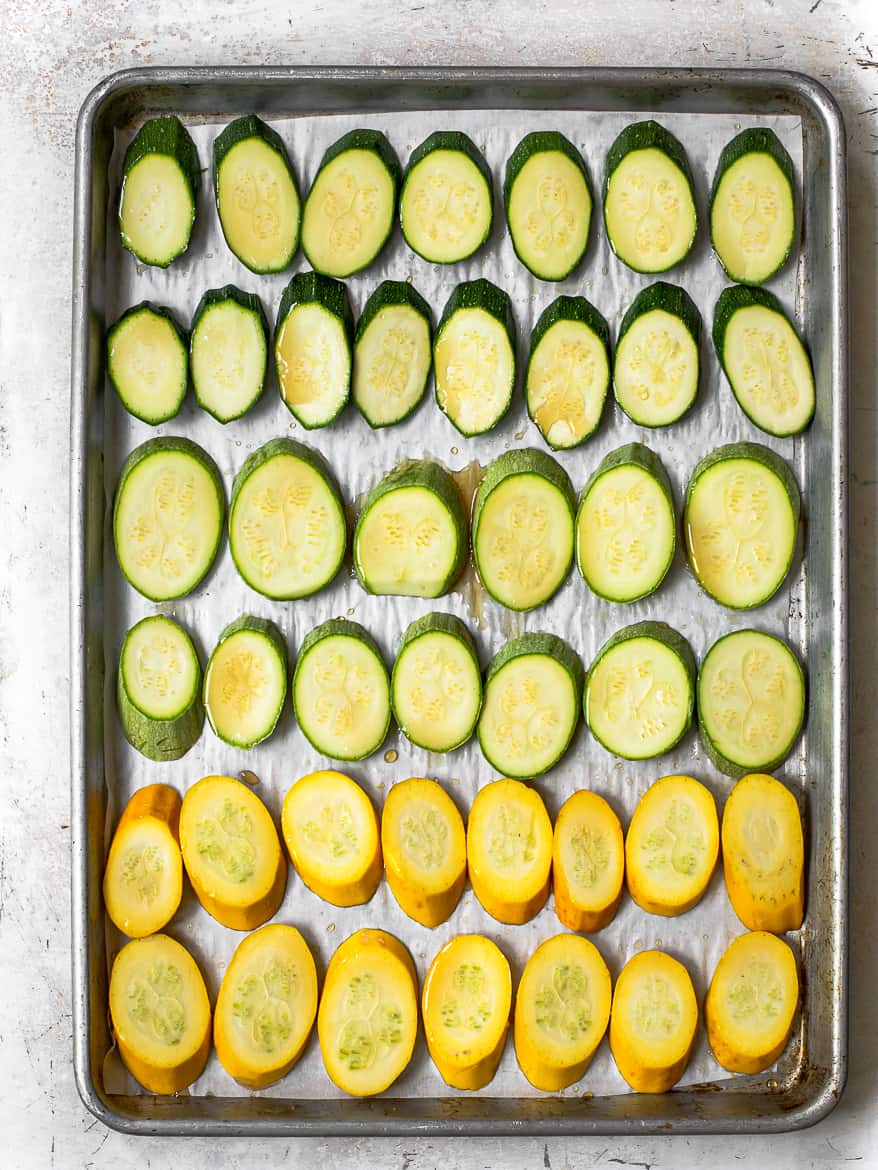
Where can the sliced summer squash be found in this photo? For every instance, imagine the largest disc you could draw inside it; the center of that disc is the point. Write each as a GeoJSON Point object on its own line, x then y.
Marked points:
{"type": "Point", "coordinates": [232, 853]}
{"type": "Point", "coordinates": [474, 357]}
{"type": "Point", "coordinates": [368, 1017]}
{"type": "Point", "coordinates": [649, 205]}
{"type": "Point", "coordinates": [751, 702]}
{"type": "Point", "coordinates": [245, 683]}
{"type": "Point", "coordinates": [312, 348]}
{"type": "Point", "coordinates": [764, 855]}
{"type": "Point", "coordinates": [568, 372]}
{"type": "Point", "coordinates": [523, 528]}
{"type": "Point", "coordinates": [533, 691]}
{"type": "Point", "coordinates": [160, 1013]}
{"type": "Point", "coordinates": [752, 206]}
{"type": "Point", "coordinates": [331, 832]}
{"type": "Point", "coordinates": [266, 1006]}
{"type": "Point", "coordinates": [509, 850]}
{"type": "Point", "coordinates": [411, 534]}
{"type": "Point", "coordinates": [161, 175]}
{"type": "Point", "coordinates": [436, 687]}
{"type": "Point", "coordinates": [466, 1003]}
{"type": "Point", "coordinates": [392, 354]}
{"type": "Point", "coordinates": [341, 691]}
{"type": "Point", "coordinates": [148, 363]}
{"type": "Point", "coordinates": [228, 352]}
{"type": "Point", "coordinates": [168, 517]}
{"type": "Point", "coordinates": [653, 1021]}
{"type": "Point", "coordinates": [751, 1002]}
{"type": "Point", "coordinates": [287, 527]}
{"type": "Point", "coordinates": [562, 1009]}
{"type": "Point", "coordinates": [446, 206]}
{"type": "Point", "coordinates": [671, 846]}
{"type": "Point", "coordinates": [159, 689]}
{"type": "Point", "coordinates": [548, 204]}
{"type": "Point", "coordinates": [350, 208]}
{"type": "Point", "coordinates": [640, 691]}
{"type": "Point", "coordinates": [626, 529]}
{"type": "Point", "coordinates": [657, 368]}
{"type": "Point", "coordinates": [256, 195]}
{"type": "Point", "coordinates": [588, 863]}
{"type": "Point", "coordinates": [741, 520]}
{"type": "Point", "coordinates": [764, 359]}
{"type": "Point", "coordinates": [143, 880]}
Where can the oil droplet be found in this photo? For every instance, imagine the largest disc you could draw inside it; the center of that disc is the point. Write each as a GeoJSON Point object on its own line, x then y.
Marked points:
{"type": "Point", "coordinates": [330, 928]}
{"type": "Point", "coordinates": [519, 435]}
{"type": "Point", "coordinates": [638, 944]}
{"type": "Point", "coordinates": [390, 756]}
{"type": "Point", "coordinates": [249, 777]}
{"type": "Point", "coordinates": [772, 1084]}
{"type": "Point", "coordinates": [350, 611]}
{"type": "Point", "coordinates": [658, 942]}
{"type": "Point", "coordinates": [455, 451]}
{"type": "Point", "coordinates": [237, 442]}
{"type": "Point", "coordinates": [380, 787]}
{"type": "Point", "coordinates": [587, 1096]}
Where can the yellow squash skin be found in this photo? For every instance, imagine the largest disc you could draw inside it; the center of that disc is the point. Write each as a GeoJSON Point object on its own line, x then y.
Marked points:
{"type": "Point", "coordinates": [150, 822]}
{"type": "Point", "coordinates": [588, 862]}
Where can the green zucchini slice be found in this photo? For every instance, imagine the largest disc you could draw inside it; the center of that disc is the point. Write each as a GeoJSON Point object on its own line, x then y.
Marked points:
{"type": "Point", "coordinates": [245, 683]}
{"type": "Point", "coordinates": [228, 352]}
{"type": "Point", "coordinates": [392, 354]}
{"type": "Point", "coordinates": [657, 365]}
{"type": "Point", "coordinates": [568, 372]}
{"type": "Point", "coordinates": [159, 689]}
{"type": "Point", "coordinates": [751, 702]}
{"type": "Point", "coordinates": [474, 357]}
{"type": "Point", "coordinates": [741, 520]}
{"type": "Point", "coordinates": [312, 348]}
{"type": "Point", "coordinates": [147, 362]}
{"type": "Point", "coordinates": [350, 208]}
{"type": "Point", "coordinates": [287, 529]}
{"type": "Point", "coordinates": [764, 359]}
{"type": "Point", "coordinates": [640, 691]}
{"type": "Point", "coordinates": [523, 528]}
{"type": "Point", "coordinates": [533, 692]}
{"type": "Point", "coordinates": [168, 517]}
{"type": "Point", "coordinates": [411, 535]}
{"type": "Point", "coordinates": [341, 691]}
{"type": "Point", "coordinates": [160, 179]}
{"type": "Point", "coordinates": [446, 206]}
{"type": "Point", "coordinates": [436, 687]}
{"type": "Point", "coordinates": [548, 204]}
{"type": "Point", "coordinates": [649, 204]}
{"type": "Point", "coordinates": [625, 527]}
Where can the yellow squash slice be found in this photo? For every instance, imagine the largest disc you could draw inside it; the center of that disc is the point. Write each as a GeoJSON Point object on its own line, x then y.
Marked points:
{"type": "Point", "coordinates": [588, 862]}
{"type": "Point", "coordinates": [143, 881]}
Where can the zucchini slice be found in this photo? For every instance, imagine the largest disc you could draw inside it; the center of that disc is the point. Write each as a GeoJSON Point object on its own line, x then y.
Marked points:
{"type": "Point", "coordinates": [287, 528]}
{"type": "Point", "coordinates": [474, 357]}
{"type": "Point", "coordinates": [257, 199]}
{"type": "Point", "coordinates": [568, 372]}
{"type": "Point", "coordinates": [588, 862]}
{"type": "Point", "coordinates": [392, 354]}
{"type": "Point", "coordinates": [626, 529]}
{"type": "Point", "coordinates": [312, 348]}
{"type": "Point", "coordinates": [446, 206]}
{"type": "Point", "coordinates": [161, 175]}
{"type": "Point", "coordinates": [159, 689]}
{"type": "Point", "coordinates": [766, 362]}
{"type": "Point", "coordinates": [143, 880]}
{"type": "Point", "coordinates": [410, 538]}
{"type": "Point", "coordinates": [752, 206]}
{"type": "Point", "coordinates": [548, 204]}
{"type": "Point", "coordinates": [523, 528]}
{"type": "Point", "coordinates": [649, 204]}
{"type": "Point", "coordinates": [148, 363]}
{"type": "Point", "coordinates": [741, 520]}
{"type": "Point", "coordinates": [228, 352]}
{"type": "Point", "coordinates": [341, 691]}
{"type": "Point", "coordinates": [436, 687]}
{"type": "Point", "coordinates": [640, 691]}
{"type": "Point", "coordinates": [657, 366]}
{"type": "Point", "coordinates": [168, 517]}
{"type": "Point", "coordinates": [245, 683]}
{"type": "Point", "coordinates": [751, 702]}
{"type": "Point", "coordinates": [533, 692]}
{"type": "Point", "coordinates": [349, 211]}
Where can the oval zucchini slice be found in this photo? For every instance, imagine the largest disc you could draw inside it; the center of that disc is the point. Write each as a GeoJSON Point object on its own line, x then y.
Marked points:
{"type": "Point", "coordinates": [368, 1017]}
{"type": "Point", "coordinates": [266, 1006]}
{"type": "Point", "coordinates": [446, 206]}
{"type": "Point", "coordinates": [588, 863]}
{"type": "Point", "coordinates": [160, 1013]}
{"type": "Point", "coordinates": [228, 352]}
{"type": "Point", "coordinates": [562, 1010]}
{"type": "Point", "coordinates": [466, 1003]}
{"type": "Point", "coordinates": [245, 683]}
{"type": "Point", "coordinates": [392, 354]}
{"type": "Point", "coordinates": [143, 880]}
{"type": "Point", "coordinates": [147, 362]}
{"type": "Point", "coordinates": [312, 348]}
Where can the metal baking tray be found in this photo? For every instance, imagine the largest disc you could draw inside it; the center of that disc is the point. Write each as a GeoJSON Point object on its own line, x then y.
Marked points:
{"type": "Point", "coordinates": [810, 1077]}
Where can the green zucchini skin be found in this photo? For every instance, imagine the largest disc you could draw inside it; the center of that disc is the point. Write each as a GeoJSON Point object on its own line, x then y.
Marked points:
{"type": "Point", "coordinates": [648, 135]}
{"type": "Point", "coordinates": [307, 288]}
{"type": "Point", "coordinates": [453, 627]}
{"type": "Point", "coordinates": [252, 304]}
{"type": "Point", "coordinates": [459, 143]}
{"type": "Point", "coordinates": [159, 311]}
{"type": "Point", "coordinates": [669, 297]}
{"type": "Point", "coordinates": [389, 294]}
{"type": "Point", "coordinates": [160, 739]}
{"type": "Point", "coordinates": [272, 634]}
{"type": "Point", "coordinates": [166, 136]}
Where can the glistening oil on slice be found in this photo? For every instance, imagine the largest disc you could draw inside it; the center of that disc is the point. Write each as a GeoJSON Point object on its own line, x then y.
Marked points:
{"type": "Point", "coordinates": [588, 862]}
{"type": "Point", "coordinates": [143, 879]}
{"type": "Point", "coordinates": [313, 341]}
{"type": "Point", "coordinates": [392, 354]}
{"type": "Point", "coordinates": [653, 1021]}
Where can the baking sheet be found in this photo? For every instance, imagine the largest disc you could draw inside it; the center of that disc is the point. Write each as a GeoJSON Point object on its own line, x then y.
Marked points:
{"type": "Point", "coordinates": [359, 457]}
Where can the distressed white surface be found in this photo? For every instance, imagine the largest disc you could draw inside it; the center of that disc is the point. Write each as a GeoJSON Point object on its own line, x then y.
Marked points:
{"type": "Point", "coordinates": [51, 54]}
